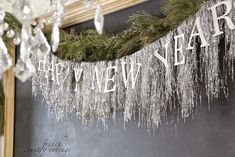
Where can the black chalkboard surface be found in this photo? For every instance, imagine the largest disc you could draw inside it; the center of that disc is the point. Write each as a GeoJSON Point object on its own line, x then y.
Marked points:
{"type": "Point", "coordinates": [208, 134]}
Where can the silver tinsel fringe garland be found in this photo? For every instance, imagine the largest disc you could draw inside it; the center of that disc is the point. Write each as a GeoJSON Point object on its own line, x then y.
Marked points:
{"type": "Point", "coordinates": [157, 89]}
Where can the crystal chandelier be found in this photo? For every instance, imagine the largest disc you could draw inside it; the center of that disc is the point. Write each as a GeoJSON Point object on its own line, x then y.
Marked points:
{"type": "Point", "coordinates": [32, 41]}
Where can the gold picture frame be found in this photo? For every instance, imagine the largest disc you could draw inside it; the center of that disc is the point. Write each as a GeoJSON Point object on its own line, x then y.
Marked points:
{"type": "Point", "coordinates": [9, 89]}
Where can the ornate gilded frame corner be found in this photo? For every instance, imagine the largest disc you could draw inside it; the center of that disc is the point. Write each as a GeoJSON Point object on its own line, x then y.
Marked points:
{"type": "Point", "coordinates": [76, 13]}
{"type": "Point", "coordinates": [9, 90]}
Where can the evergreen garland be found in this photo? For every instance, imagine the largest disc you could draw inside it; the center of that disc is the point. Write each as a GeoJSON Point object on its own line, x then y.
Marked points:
{"type": "Point", "coordinates": [89, 46]}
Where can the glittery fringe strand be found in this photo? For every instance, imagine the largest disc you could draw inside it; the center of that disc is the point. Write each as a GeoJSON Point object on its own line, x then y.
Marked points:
{"type": "Point", "coordinates": [156, 90]}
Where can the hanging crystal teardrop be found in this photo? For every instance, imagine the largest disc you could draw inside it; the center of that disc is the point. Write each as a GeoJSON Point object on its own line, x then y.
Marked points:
{"type": "Point", "coordinates": [25, 46]}
{"type": "Point", "coordinates": [22, 10]}
{"type": "Point", "coordinates": [99, 19]}
{"type": "Point", "coordinates": [5, 61]}
{"type": "Point", "coordinates": [87, 3]}
{"type": "Point", "coordinates": [2, 14]}
{"type": "Point", "coordinates": [41, 47]}
{"type": "Point", "coordinates": [24, 70]}
{"type": "Point", "coordinates": [55, 37]}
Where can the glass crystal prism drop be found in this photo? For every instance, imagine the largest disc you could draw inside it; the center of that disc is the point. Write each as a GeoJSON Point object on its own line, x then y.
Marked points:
{"type": "Point", "coordinates": [87, 3]}
{"type": "Point", "coordinates": [1, 74]}
{"type": "Point", "coordinates": [1, 30]}
{"type": "Point", "coordinates": [99, 19]}
{"type": "Point", "coordinates": [26, 10]}
{"type": "Point", "coordinates": [59, 14]}
{"type": "Point", "coordinates": [2, 14]}
{"type": "Point", "coordinates": [24, 71]}
{"type": "Point", "coordinates": [55, 37]}
{"type": "Point", "coordinates": [59, 18]}
{"type": "Point", "coordinates": [25, 50]}
{"type": "Point", "coordinates": [42, 47]}
{"type": "Point", "coordinates": [23, 11]}
{"type": "Point", "coordinates": [5, 61]}
{"type": "Point", "coordinates": [25, 46]}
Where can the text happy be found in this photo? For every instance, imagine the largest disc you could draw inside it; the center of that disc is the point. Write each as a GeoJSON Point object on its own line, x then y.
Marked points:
{"type": "Point", "coordinates": [130, 76]}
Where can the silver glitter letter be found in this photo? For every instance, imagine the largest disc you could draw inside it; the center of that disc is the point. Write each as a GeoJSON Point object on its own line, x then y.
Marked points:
{"type": "Point", "coordinates": [162, 59]}
{"type": "Point", "coordinates": [216, 19]}
{"type": "Point", "coordinates": [107, 80]}
{"type": "Point", "coordinates": [199, 33]}
{"type": "Point", "coordinates": [131, 72]}
{"type": "Point", "coordinates": [179, 50]}
{"type": "Point", "coordinates": [78, 74]}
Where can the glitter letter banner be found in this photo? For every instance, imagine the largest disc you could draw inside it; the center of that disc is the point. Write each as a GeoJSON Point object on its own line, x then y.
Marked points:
{"type": "Point", "coordinates": [143, 86]}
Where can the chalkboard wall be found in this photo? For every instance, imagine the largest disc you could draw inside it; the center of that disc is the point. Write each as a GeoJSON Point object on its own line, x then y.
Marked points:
{"type": "Point", "coordinates": [207, 134]}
